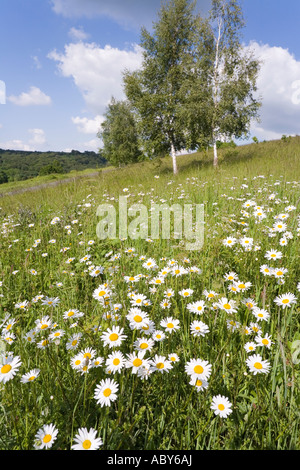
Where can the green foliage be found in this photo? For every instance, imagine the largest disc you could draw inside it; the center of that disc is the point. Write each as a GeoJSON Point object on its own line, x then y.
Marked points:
{"type": "Point", "coordinates": [119, 135]}
{"type": "Point", "coordinates": [157, 91]}
{"type": "Point", "coordinates": [3, 177]}
{"type": "Point", "coordinates": [22, 165]}
{"type": "Point", "coordinates": [54, 167]}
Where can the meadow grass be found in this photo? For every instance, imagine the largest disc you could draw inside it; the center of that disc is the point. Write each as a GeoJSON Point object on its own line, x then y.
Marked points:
{"type": "Point", "coordinates": [52, 231]}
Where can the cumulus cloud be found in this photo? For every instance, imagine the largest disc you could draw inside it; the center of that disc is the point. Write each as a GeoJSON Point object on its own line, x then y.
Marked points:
{"type": "Point", "coordinates": [36, 142]}
{"type": "Point", "coordinates": [38, 137]}
{"type": "Point", "coordinates": [128, 13]}
{"type": "Point", "coordinates": [279, 87]}
{"type": "Point", "coordinates": [97, 71]}
{"type": "Point", "coordinates": [34, 97]}
{"type": "Point", "coordinates": [88, 126]}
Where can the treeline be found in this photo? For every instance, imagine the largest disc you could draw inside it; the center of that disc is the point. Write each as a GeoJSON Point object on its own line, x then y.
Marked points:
{"type": "Point", "coordinates": [16, 165]}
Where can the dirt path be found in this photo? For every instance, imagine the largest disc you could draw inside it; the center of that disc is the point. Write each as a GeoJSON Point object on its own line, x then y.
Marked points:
{"type": "Point", "coordinates": [52, 183]}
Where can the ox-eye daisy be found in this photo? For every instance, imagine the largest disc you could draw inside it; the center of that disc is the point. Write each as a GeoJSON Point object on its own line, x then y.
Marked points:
{"type": "Point", "coordinates": [221, 406]}
{"type": "Point", "coordinates": [106, 392]}
{"type": "Point", "coordinates": [285, 300]}
{"type": "Point", "coordinates": [257, 365]}
{"type": "Point", "coordinates": [45, 437]}
{"type": "Point", "coordinates": [86, 440]}
{"type": "Point", "coordinates": [198, 368]}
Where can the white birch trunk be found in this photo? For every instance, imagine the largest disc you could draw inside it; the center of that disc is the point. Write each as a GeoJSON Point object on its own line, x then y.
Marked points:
{"type": "Point", "coordinates": [215, 153]}
{"type": "Point", "coordinates": [173, 154]}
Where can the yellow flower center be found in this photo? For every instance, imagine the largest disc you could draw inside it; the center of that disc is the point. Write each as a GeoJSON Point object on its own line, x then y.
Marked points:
{"type": "Point", "coordinates": [101, 293]}
{"type": "Point", "coordinates": [160, 365]}
{"type": "Point", "coordinates": [44, 326]}
{"type": "Point", "coordinates": [143, 345]}
{"type": "Point", "coordinates": [198, 369]}
{"type": "Point", "coordinates": [265, 341]}
{"type": "Point", "coordinates": [170, 325]}
{"type": "Point", "coordinates": [285, 301]}
{"type": "Point", "coordinates": [137, 362]}
{"type": "Point", "coordinates": [70, 314]}
{"type": "Point", "coordinates": [221, 407]}
{"type": "Point", "coordinates": [107, 392]}
{"type": "Point", "coordinates": [199, 383]}
{"type": "Point", "coordinates": [74, 342]}
{"type": "Point", "coordinates": [5, 369]}
{"type": "Point", "coordinates": [47, 438]}
{"type": "Point", "coordinates": [227, 306]}
{"type": "Point", "coordinates": [137, 318]}
{"type": "Point", "coordinates": [86, 444]}
{"type": "Point", "coordinates": [258, 365]}
{"type": "Point", "coordinates": [116, 361]}
{"type": "Point", "coordinates": [113, 337]}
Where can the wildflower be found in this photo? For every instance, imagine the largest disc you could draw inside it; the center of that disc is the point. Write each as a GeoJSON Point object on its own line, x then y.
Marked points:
{"type": "Point", "coordinates": [9, 366]}
{"type": "Point", "coordinates": [198, 384]}
{"type": "Point", "coordinates": [250, 346]}
{"type": "Point", "coordinates": [137, 318]}
{"type": "Point", "coordinates": [44, 323]}
{"type": "Point", "coordinates": [158, 336]}
{"type": "Point", "coordinates": [170, 324]}
{"type": "Point", "coordinates": [86, 440]}
{"type": "Point", "coordinates": [136, 360]}
{"type": "Point", "coordinates": [260, 314]}
{"type": "Point", "coordinates": [45, 437]}
{"type": "Point", "coordinates": [173, 357]}
{"type": "Point", "coordinates": [50, 301]}
{"type": "Point", "coordinates": [273, 255]}
{"type": "Point", "coordinates": [101, 292]}
{"type": "Point", "coordinates": [227, 305]}
{"type": "Point", "coordinates": [115, 362]}
{"type": "Point", "coordinates": [106, 392]}
{"type": "Point", "coordinates": [160, 364]}
{"type": "Point", "coordinates": [229, 241]}
{"type": "Point", "coordinates": [30, 376]}
{"type": "Point", "coordinates": [143, 344]}
{"type": "Point", "coordinates": [264, 341]}
{"type": "Point", "coordinates": [74, 341]}
{"type": "Point", "coordinates": [113, 337]}
{"type": "Point", "coordinates": [196, 307]}
{"type": "Point", "coordinates": [198, 368]}
{"type": "Point", "coordinates": [257, 365]}
{"type": "Point", "coordinates": [221, 406]}
{"type": "Point", "coordinates": [198, 328]}
{"type": "Point", "coordinates": [285, 300]}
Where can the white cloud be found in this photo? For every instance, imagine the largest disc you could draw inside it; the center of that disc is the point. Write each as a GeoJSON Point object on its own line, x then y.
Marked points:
{"type": "Point", "coordinates": [88, 126]}
{"type": "Point", "coordinates": [279, 87]}
{"type": "Point", "coordinates": [37, 62]}
{"type": "Point", "coordinates": [77, 34]}
{"type": "Point", "coordinates": [38, 137]}
{"type": "Point", "coordinates": [33, 97]}
{"type": "Point", "coordinates": [96, 71]}
{"type": "Point", "coordinates": [128, 13]}
{"type": "Point", "coordinates": [16, 144]}
{"type": "Point", "coordinates": [36, 142]}
{"type": "Point", "coordinates": [93, 144]}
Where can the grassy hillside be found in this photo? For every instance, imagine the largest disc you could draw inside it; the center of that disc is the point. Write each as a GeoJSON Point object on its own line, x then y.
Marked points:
{"type": "Point", "coordinates": [220, 322]}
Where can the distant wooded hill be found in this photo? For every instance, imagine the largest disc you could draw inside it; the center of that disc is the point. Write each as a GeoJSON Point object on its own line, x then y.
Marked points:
{"type": "Point", "coordinates": [16, 165]}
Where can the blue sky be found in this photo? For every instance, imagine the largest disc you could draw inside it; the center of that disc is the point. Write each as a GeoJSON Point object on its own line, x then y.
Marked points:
{"type": "Point", "coordinates": [61, 61]}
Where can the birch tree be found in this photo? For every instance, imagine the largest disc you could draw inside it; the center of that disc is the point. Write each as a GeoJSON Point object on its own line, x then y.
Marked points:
{"type": "Point", "coordinates": [157, 90]}
{"type": "Point", "coordinates": [228, 74]}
